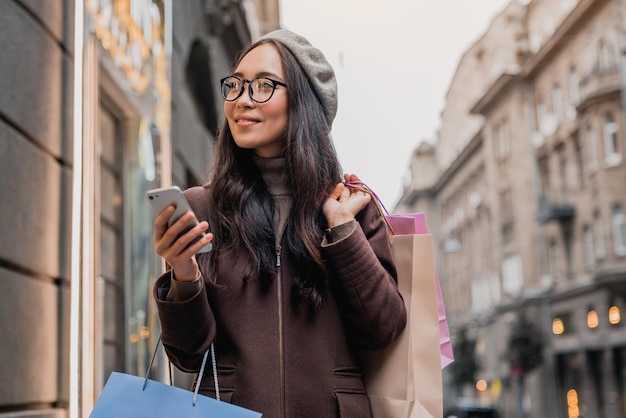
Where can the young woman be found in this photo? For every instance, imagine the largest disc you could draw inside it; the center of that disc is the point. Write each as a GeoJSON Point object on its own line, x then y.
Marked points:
{"type": "Point", "coordinates": [301, 276]}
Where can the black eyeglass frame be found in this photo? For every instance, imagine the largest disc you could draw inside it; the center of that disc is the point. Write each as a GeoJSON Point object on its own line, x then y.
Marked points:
{"type": "Point", "coordinates": [250, 91]}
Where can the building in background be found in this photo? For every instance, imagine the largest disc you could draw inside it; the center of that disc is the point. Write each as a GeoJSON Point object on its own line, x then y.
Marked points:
{"type": "Point", "coordinates": [525, 193]}
{"type": "Point", "coordinates": [89, 123]}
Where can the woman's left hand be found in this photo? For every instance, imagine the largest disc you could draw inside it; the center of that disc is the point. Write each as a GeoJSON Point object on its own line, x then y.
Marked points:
{"type": "Point", "coordinates": [344, 202]}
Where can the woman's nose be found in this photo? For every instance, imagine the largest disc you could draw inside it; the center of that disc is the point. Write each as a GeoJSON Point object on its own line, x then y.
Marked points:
{"type": "Point", "coordinates": [245, 100]}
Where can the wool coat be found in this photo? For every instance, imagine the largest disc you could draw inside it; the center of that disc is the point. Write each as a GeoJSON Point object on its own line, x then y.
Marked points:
{"type": "Point", "coordinates": [276, 353]}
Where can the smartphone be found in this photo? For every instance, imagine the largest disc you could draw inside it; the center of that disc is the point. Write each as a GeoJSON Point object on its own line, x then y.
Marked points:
{"type": "Point", "coordinates": [161, 198]}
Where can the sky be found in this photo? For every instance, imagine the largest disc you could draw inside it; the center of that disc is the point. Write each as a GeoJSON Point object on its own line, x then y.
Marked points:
{"type": "Point", "coordinates": [394, 61]}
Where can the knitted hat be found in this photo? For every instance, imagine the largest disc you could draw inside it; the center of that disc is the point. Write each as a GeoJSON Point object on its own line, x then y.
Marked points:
{"type": "Point", "coordinates": [315, 66]}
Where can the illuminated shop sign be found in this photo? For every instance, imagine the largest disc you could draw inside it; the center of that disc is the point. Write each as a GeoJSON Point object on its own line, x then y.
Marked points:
{"type": "Point", "coordinates": [132, 31]}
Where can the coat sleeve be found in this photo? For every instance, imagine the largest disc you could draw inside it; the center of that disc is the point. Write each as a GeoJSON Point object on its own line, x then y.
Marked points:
{"type": "Point", "coordinates": [363, 270]}
{"type": "Point", "coordinates": [188, 325]}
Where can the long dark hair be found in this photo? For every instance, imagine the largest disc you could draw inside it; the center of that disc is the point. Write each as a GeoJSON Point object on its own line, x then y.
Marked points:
{"type": "Point", "coordinates": [242, 208]}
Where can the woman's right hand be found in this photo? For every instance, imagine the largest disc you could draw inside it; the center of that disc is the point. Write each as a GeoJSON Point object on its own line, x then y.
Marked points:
{"type": "Point", "coordinates": [175, 249]}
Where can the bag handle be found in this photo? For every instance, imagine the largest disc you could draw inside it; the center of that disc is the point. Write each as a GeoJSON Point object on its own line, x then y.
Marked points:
{"type": "Point", "coordinates": [200, 373]}
{"type": "Point", "coordinates": [359, 185]}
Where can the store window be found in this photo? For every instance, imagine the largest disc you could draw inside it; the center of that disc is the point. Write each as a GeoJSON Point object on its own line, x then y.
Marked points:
{"type": "Point", "coordinates": [111, 257]}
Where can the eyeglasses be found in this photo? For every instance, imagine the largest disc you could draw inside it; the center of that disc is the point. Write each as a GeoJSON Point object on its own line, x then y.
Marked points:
{"type": "Point", "coordinates": [260, 89]}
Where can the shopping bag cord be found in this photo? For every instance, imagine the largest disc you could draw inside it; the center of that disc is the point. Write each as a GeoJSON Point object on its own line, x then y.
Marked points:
{"type": "Point", "coordinates": [214, 363]}
{"type": "Point", "coordinates": [200, 373]}
{"type": "Point", "coordinates": [145, 382]}
{"type": "Point", "coordinates": [379, 203]}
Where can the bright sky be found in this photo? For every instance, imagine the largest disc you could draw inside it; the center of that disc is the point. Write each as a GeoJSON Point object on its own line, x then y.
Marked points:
{"type": "Point", "coordinates": [394, 60]}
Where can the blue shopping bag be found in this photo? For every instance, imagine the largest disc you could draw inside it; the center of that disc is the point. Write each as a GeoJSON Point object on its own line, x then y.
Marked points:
{"type": "Point", "coordinates": [123, 396]}
{"type": "Point", "coordinates": [128, 396]}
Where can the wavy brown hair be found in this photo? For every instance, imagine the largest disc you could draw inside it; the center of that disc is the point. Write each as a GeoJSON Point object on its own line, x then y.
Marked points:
{"type": "Point", "coordinates": [242, 207]}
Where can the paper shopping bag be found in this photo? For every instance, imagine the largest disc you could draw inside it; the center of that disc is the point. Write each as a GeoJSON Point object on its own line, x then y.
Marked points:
{"type": "Point", "coordinates": [123, 396]}
{"type": "Point", "coordinates": [404, 380]}
{"type": "Point", "coordinates": [415, 223]}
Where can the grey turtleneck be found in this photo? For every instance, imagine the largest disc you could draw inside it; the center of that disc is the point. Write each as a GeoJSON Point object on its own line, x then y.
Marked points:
{"type": "Point", "coordinates": [275, 176]}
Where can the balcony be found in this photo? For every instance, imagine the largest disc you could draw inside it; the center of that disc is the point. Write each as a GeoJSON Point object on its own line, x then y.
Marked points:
{"type": "Point", "coordinates": [554, 209]}
{"type": "Point", "coordinates": [598, 86]}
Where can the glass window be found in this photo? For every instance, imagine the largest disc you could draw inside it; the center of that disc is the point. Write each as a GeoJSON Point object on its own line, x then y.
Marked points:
{"type": "Point", "coordinates": [574, 86]}
{"type": "Point", "coordinates": [544, 173]}
{"type": "Point", "coordinates": [502, 140]}
{"type": "Point", "coordinates": [557, 102]}
{"type": "Point", "coordinates": [590, 257]}
{"type": "Point", "coordinates": [605, 56]}
{"type": "Point", "coordinates": [111, 268]}
{"type": "Point", "coordinates": [563, 175]}
{"type": "Point", "coordinates": [580, 162]}
{"type": "Point", "coordinates": [619, 231]}
{"type": "Point", "coordinates": [555, 260]}
{"type": "Point", "coordinates": [599, 237]}
{"type": "Point", "coordinates": [542, 114]}
{"type": "Point", "coordinates": [592, 145]}
{"type": "Point", "coordinates": [512, 275]}
{"type": "Point", "coordinates": [611, 144]}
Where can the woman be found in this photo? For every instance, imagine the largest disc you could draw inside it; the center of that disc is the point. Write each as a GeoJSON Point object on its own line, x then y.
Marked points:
{"type": "Point", "coordinates": [301, 276]}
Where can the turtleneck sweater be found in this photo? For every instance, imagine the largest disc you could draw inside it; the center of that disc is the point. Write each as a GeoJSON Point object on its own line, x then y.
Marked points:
{"type": "Point", "coordinates": [274, 173]}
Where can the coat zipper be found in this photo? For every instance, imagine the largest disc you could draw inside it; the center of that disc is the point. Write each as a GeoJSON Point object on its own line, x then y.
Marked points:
{"type": "Point", "coordinates": [281, 365]}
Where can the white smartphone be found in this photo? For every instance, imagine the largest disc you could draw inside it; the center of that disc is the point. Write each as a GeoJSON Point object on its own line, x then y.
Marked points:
{"type": "Point", "coordinates": [161, 198]}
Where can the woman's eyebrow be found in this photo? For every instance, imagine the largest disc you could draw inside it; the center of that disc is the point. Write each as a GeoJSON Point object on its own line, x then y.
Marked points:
{"type": "Point", "coordinates": [259, 74]}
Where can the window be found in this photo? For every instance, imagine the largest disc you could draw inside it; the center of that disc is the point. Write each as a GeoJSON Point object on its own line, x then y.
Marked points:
{"type": "Point", "coordinates": [592, 145]}
{"type": "Point", "coordinates": [502, 140]}
{"type": "Point", "coordinates": [557, 102]}
{"type": "Point", "coordinates": [611, 144]}
{"type": "Point", "coordinates": [111, 257]}
{"type": "Point", "coordinates": [542, 112]}
{"type": "Point", "coordinates": [590, 257]}
{"type": "Point", "coordinates": [506, 209]}
{"type": "Point", "coordinates": [506, 205]}
{"type": "Point", "coordinates": [555, 260]}
{"type": "Point", "coordinates": [574, 86]}
{"type": "Point", "coordinates": [599, 236]}
{"type": "Point", "coordinates": [563, 175]}
{"type": "Point", "coordinates": [512, 276]}
{"type": "Point", "coordinates": [481, 295]}
{"type": "Point", "coordinates": [619, 231]}
{"type": "Point", "coordinates": [580, 164]}
{"type": "Point", "coordinates": [605, 57]}
{"type": "Point", "coordinates": [544, 174]}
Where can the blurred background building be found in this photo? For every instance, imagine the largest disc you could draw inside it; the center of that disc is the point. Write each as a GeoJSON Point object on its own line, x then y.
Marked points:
{"type": "Point", "coordinates": [525, 190]}
{"type": "Point", "coordinates": [100, 100]}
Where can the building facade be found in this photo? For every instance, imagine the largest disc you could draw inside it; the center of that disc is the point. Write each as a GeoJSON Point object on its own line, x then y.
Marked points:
{"type": "Point", "coordinates": [99, 102]}
{"type": "Point", "coordinates": [528, 206]}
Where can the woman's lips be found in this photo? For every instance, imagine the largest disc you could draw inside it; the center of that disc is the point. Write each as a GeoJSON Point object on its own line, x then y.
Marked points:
{"type": "Point", "coordinates": [246, 122]}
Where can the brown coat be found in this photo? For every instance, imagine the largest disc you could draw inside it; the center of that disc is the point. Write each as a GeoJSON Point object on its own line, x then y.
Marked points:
{"type": "Point", "coordinates": [275, 354]}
